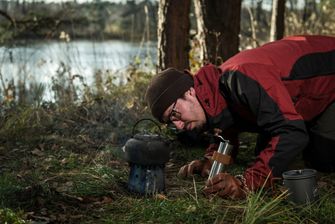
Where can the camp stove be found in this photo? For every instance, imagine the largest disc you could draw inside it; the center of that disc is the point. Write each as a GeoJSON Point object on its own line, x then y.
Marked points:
{"type": "Point", "coordinates": [146, 155]}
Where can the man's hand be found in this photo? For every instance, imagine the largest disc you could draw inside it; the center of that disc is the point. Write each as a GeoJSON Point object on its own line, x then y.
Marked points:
{"type": "Point", "coordinates": [201, 167]}
{"type": "Point", "coordinates": [224, 185]}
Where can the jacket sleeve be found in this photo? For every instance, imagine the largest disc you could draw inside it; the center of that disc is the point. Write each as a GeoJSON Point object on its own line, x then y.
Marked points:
{"type": "Point", "coordinates": [269, 108]}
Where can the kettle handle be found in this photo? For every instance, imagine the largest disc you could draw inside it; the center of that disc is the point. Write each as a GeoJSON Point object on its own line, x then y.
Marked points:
{"type": "Point", "coordinates": [146, 119]}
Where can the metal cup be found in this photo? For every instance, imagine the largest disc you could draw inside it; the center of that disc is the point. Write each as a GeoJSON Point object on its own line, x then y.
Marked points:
{"type": "Point", "coordinates": [301, 185]}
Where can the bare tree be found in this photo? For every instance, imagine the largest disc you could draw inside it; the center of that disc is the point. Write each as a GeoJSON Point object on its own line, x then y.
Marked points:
{"type": "Point", "coordinates": [218, 28]}
{"type": "Point", "coordinates": [253, 25]}
{"type": "Point", "coordinates": [173, 34]}
{"type": "Point", "coordinates": [277, 20]}
{"type": "Point", "coordinates": [309, 9]}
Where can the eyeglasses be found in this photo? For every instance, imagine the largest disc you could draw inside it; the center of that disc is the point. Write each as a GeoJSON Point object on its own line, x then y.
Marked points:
{"type": "Point", "coordinates": [174, 114]}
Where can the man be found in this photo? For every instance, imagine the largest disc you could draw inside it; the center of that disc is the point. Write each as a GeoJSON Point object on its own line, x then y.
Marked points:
{"type": "Point", "coordinates": [283, 90]}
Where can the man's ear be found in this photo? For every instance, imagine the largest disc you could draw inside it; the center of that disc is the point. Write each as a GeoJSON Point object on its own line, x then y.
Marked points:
{"type": "Point", "coordinates": [192, 91]}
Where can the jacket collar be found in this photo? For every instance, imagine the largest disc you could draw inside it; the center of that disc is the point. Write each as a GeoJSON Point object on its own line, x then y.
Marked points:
{"type": "Point", "coordinates": [206, 85]}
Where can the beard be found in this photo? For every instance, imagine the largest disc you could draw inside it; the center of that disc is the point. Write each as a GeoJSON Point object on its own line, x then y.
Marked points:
{"type": "Point", "coordinates": [197, 127]}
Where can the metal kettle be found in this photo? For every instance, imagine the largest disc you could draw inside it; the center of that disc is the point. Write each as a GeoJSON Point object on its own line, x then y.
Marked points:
{"type": "Point", "coordinates": [146, 155]}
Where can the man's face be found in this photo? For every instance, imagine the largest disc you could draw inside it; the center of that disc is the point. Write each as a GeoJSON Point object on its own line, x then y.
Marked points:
{"type": "Point", "coordinates": [186, 113]}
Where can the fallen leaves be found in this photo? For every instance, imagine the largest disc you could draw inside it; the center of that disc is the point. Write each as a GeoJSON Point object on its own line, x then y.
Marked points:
{"type": "Point", "coordinates": [37, 152]}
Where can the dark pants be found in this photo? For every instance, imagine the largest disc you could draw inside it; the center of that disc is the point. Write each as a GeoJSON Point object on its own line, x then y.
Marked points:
{"type": "Point", "coordinates": [320, 153]}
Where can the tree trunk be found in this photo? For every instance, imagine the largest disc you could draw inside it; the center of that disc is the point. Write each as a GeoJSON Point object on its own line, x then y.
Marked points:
{"type": "Point", "coordinates": [218, 29]}
{"type": "Point", "coordinates": [173, 34]}
{"type": "Point", "coordinates": [277, 20]}
{"type": "Point", "coordinates": [309, 8]}
{"type": "Point", "coordinates": [253, 25]}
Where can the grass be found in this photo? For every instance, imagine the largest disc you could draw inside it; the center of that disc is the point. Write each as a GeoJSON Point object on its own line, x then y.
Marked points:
{"type": "Point", "coordinates": [262, 209]}
{"type": "Point", "coordinates": [90, 187]}
{"type": "Point", "coordinates": [11, 217]}
{"type": "Point", "coordinates": [161, 211]}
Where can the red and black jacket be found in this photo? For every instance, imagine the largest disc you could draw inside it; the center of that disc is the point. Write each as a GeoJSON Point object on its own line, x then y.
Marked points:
{"type": "Point", "coordinates": [271, 90]}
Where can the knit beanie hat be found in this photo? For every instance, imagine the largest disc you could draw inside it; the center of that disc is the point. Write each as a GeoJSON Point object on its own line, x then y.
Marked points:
{"type": "Point", "coordinates": [165, 88]}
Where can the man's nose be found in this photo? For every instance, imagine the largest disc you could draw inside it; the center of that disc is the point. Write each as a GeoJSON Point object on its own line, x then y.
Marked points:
{"type": "Point", "coordinates": [179, 124]}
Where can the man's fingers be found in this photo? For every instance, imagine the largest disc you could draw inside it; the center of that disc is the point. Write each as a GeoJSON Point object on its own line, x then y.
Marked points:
{"type": "Point", "coordinates": [201, 167]}
{"type": "Point", "coordinates": [194, 166]}
{"type": "Point", "coordinates": [212, 189]}
{"type": "Point", "coordinates": [183, 171]}
{"type": "Point", "coordinates": [214, 180]}
{"type": "Point", "coordinates": [227, 191]}
{"type": "Point", "coordinates": [224, 185]}
{"type": "Point", "coordinates": [232, 191]}
{"type": "Point", "coordinates": [205, 172]}
{"type": "Point", "coordinates": [206, 168]}
{"type": "Point", "coordinates": [215, 184]}
{"type": "Point", "coordinates": [189, 169]}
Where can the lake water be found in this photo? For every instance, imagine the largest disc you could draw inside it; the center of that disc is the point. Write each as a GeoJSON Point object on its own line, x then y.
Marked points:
{"type": "Point", "coordinates": [40, 61]}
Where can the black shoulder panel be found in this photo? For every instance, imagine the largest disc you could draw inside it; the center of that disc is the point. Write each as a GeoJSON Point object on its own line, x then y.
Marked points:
{"type": "Point", "coordinates": [311, 65]}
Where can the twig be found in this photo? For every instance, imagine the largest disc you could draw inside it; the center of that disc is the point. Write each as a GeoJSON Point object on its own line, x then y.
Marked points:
{"type": "Point", "coordinates": [73, 174]}
{"type": "Point", "coordinates": [195, 192]}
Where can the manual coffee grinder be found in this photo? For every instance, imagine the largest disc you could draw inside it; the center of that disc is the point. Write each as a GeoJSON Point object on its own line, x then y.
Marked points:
{"type": "Point", "coordinates": [146, 155]}
{"type": "Point", "coordinates": [221, 157]}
